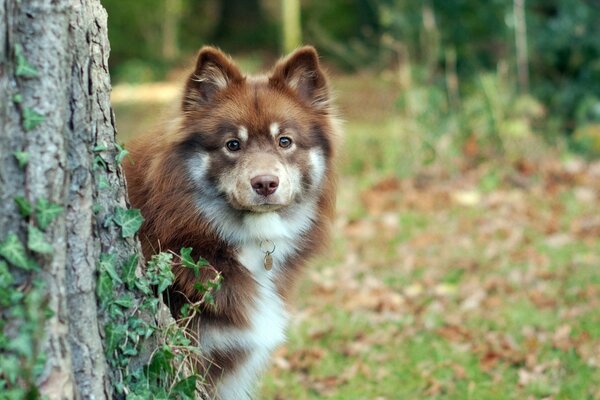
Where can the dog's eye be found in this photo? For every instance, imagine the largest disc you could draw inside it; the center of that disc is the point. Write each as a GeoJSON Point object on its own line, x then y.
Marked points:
{"type": "Point", "coordinates": [285, 142]}
{"type": "Point", "coordinates": [233, 145]}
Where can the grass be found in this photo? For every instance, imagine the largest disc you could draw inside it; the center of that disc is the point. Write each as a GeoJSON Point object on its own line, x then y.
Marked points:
{"type": "Point", "coordinates": [450, 276]}
{"type": "Point", "coordinates": [470, 304]}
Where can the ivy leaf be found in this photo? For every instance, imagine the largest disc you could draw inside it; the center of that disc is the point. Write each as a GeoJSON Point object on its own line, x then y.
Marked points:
{"type": "Point", "coordinates": [107, 264]}
{"type": "Point", "coordinates": [104, 288]}
{"type": "Point", "coordinates": [25, 207]}
{"type": "Point", "coordinates": [114, 335]}
{"type": "Point", "coordinates": [125, 301]}
{"type": "Point", "coordinates": [22, 158]}
{"type": "Point", "coordinates": [14, 252]}
{"type": "Point", "coordinates": [6, 279]}
{"type": "Point", "coordinates": [99, 162]}
{"type": "Point", "coordinates": [121, 153]}
{"type": "Point", "coordinates": [31, 118]}
{"type": "Point", "coordinates": [40, 364]}
{"type": "Point", "coordinates": [102, 182]}
{"type": "Point", "coordinates": [186, 388]}
{"type": "Point", "coordinates": [10, 366]}
{"type": "Point", "coordinates": [45, 212]}
{"type": "Point", "coordinates": [144, 286]}
{"type": "Point", "coordinates": [22, 344]}
{"type": "Point", "coordinates": [130, 221]}
{"type": "Point", "coordinates": [186, 257]}
{"type": "Point", "coordinates": [100, 147]}
{"type": "Point", "coordinates": [188, 262]}
{"type": "Point", "coordinates": [161, 363]}
{"type": "Point", "coordinates": [159, 271]}
{"type": "Point", "coordinates": [128, 271]}
{"type": "Point", "coordinates": [24, 68]}
{"type": "Point", "coordinates": [36, 241]}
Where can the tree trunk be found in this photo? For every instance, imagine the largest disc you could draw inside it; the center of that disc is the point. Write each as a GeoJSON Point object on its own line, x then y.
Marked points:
{"type": "Point", "coordinates": [55, 110]}
{"type": "Point", "coordinates": [521, 44]}
{"type": "Point", "coordinates": [170, 23]}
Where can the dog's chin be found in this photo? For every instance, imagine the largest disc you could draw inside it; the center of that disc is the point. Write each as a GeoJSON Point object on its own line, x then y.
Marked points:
{"type": "Point", "coordinates": [264, 208]}
{"type": "Point", "coordinates": [258, 208]}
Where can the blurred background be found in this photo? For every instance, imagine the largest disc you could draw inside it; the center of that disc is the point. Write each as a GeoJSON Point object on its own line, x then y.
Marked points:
{"type": "Point", "coordinates": [466, 262]}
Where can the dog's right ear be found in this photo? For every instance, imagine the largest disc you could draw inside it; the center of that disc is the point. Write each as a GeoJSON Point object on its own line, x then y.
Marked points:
{"type": "Point", "coordinates": [214, 72]}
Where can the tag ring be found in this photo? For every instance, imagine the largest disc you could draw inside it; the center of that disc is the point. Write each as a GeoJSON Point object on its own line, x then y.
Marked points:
{"type": "Point", "coordinates": [265, 245]}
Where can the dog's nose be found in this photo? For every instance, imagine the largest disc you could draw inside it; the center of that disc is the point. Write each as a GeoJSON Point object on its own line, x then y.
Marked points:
{"type": "Point", "coordinates": [265, 184]}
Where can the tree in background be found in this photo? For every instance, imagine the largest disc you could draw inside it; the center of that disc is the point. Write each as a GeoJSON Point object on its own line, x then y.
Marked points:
{"type": "Point", "coordinates": [291, 28]}
{"type": "Point", "coordinates": [550, 47]}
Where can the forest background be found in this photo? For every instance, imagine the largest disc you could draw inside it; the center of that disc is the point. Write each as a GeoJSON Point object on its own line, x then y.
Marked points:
{"type": "Point", "coordinates": [466, 262]}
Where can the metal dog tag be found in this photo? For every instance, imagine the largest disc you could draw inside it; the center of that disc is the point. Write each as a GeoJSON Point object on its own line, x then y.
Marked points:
{"type": "Point", "coordinates": [268, 261]}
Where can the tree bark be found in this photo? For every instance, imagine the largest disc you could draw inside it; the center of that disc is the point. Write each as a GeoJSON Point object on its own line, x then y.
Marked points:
{"type": "Point", "coordinates": [60, 115]}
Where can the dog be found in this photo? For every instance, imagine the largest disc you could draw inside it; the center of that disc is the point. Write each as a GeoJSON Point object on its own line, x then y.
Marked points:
{"type": "Point", "coordinates": [244, 175]}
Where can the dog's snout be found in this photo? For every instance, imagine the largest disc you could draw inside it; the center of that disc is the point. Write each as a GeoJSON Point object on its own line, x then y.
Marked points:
{"type": "Point", "coordinates": [265, 185]}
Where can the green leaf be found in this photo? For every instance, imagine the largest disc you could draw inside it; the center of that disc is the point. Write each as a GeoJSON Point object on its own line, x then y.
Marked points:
{"type": "Point", "coordinates": [185, 309]}
{"type": "Point", "coordinates": [186, 257]}
{"type": "Point", "coordinates": [100, 147]}
{"type": "Point", "coordinates": [161, 362]}
{"type": "Point", "coordinates": [22, 158]}
{"type": "Point", "coordinates": [188, 262]}
{"type": "Point", "coordinates": [114, 334]}
{"type": "Point", "coordinates": [128, 271]}
{"type": "Point", "coordinates": [18, 98]}
{"type": "Point", "coordinates": [25, 207]}
{"type": "Point", "coordinates": [6, 278]}
{"type": "Point", "coordinates": [22, 345]}
{"type": "Point", "coordinates": [104, 288]}
{"type": "Point", "coordinates": [40, 364]}
{"type": "Point", "coordinates": [130, 350]}
{"type": "Point", "coordinates": [186, 388]}
{"type": "Point", "coordinates": [45, 212]}
{"type": "Point", "coordinates": [125, 301]}
{"type": "Point", "coordinates": [159, 271]}
{"type": "Point", "coordinates": [24, 68]}
{"type": "Point", "coordinates": [36, 241]}
{"type": "Point", "coordinates": [121, 153]}
{"type": "Point", "coordinates": [107, 264]}
{"type": "Point", "coordinates": [130, 221]}
{"type": "Point", "coordinates": [14, 252]}
{"type": "Point", "coordinates": [144, 286]}
{"type": "Point", "coordinates": [31, 118]}
{"type": "Point", "coordinates": [102, 182]}
{"type": "Point", "coordinates": [100, 162]}
{"type": "Point", "coordinates": [10, 366]}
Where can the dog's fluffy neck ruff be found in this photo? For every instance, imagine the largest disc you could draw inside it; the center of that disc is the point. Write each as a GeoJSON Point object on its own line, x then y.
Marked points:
{"type": "Point", "coordinates": [284, 228]}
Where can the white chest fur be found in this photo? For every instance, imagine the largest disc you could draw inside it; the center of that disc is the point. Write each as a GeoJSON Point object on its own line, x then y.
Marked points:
{"type": "Point", "coordinates": [268, 322]}
{"type": "Point", "coordinates": [267, 314]}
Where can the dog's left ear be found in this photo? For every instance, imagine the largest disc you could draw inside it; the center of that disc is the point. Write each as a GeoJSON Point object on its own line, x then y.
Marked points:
{"type": "Point", "coordinates": [301, 72]}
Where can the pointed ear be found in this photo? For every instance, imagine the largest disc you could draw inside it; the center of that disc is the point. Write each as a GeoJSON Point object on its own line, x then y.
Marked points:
{"type": "Point", "coordinates": [214, 72]}
{"type": "Point", "coordinates": [301, 72]}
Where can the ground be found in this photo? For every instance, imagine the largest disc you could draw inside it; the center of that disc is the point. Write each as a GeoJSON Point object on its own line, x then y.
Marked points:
{"type": "Point", "coordinates": [455, 278]}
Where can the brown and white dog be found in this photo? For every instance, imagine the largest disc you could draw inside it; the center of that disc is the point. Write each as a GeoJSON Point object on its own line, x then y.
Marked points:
{"type": "Point", "coordinates": [243, 175]}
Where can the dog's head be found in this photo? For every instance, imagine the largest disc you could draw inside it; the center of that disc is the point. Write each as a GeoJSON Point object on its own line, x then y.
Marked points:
{"type": "Point", "coordinates": [257, 144]}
